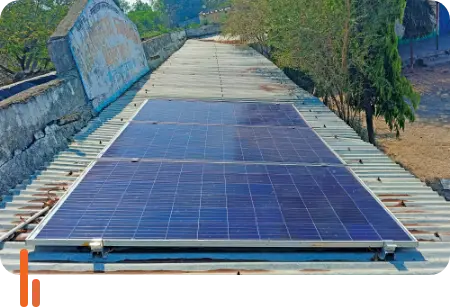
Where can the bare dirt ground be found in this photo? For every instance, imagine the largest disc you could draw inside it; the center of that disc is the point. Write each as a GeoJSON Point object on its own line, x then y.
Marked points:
{"type": "Point", "coordinates": [424, 147]}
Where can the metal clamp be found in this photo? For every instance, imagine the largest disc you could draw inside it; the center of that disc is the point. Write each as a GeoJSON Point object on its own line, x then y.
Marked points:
{"type": "Point", "coordinates": [388, 251]}
{"type": "Point", "coordinates": [97, 248]}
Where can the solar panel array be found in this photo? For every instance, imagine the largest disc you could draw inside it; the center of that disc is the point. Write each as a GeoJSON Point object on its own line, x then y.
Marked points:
{"type": "Point", "coordinates": [196, 201]}
{"type": "Point", "coordinates": [241, 173]}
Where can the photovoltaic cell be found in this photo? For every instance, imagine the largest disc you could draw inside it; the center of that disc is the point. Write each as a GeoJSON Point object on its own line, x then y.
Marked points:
{"type": "Point", "coordinates": [226, 172]}
{"type": "Point", "coordinates": [221, 143]}
{"type": "Point", "coordinates": [221, 113]}
{"type": "Point", "coordinates": [211, 201]}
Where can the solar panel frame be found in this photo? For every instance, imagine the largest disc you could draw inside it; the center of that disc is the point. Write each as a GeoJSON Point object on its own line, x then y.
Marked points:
{"type": "Point", "coordinates": [33, 240]}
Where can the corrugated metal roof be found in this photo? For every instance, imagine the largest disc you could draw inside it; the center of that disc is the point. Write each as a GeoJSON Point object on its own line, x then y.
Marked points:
{"type": "Point", "coordinates": [217, 71]}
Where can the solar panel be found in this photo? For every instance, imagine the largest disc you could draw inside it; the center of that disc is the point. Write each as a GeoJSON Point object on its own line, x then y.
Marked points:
{"type": "Point", "coordinates": [221, 143]}
{"type": "Point", "coordinates": [148, 201]}
{"type": "Point", "coordinates": [221, 113]}
{"type": "Point", "coordinates": [222, 175]}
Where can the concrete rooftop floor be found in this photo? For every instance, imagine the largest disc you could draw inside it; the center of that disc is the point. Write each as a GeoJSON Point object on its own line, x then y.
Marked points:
{"type": "Point", "coordinates": [211, 71]}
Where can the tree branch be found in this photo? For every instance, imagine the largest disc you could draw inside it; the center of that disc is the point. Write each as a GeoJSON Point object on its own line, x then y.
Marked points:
{"type": "Point", "coordinates": [7, 70]}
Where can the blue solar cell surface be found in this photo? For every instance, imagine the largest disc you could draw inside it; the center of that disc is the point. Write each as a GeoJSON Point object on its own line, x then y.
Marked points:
{"type": "Point", "coordinates": [213, 201]}
{"type": "Point", "coordinates": [219, 171]}
{"type": "Point", "coordinates": [221, 143]}
{"type": "Point", "coordinates": [221, 113]}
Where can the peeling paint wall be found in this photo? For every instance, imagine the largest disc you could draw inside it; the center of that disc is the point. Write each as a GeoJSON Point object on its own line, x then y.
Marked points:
{"type": "Point", "coordinates": [107, 50]}
{"type": "Point", "coordinates": [36, 124]}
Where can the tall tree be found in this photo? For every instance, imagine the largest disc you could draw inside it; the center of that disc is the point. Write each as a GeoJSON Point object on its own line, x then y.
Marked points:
{"type": "Point", "coordinates": [385, 91]}
{"type": "Point", "coordinates": [25, 26]}
{"type": "Point", "coordinates": [418, 22]}
{"type": "Point", "coordinates": [124, 5]}
{"type": "Point", "coordinates": [347, 47]}
{"type": "Point", "coordinates": [149, 22]}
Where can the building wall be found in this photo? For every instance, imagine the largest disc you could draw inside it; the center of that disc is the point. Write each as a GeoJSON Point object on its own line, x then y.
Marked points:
{"type": "Point", "coordinates": [160, 48]}
{"type": "Point", "coordinates": [98, 55]}
{"type": "Point", "coordinates": [36, 124]}
{"type": "Point", "coordinates": [107, 51]}
{"type": "Point", "coordinates": [210, 29]}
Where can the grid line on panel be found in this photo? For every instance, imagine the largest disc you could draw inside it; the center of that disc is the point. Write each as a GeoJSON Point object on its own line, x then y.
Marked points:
{"type": "Point", "coordinates": [228, 202]}
{"type": "Point", "coordinates": [221, 144]}
{"type": "Point", "coordinates": [146, 203]}
{"type": "Point", "coordinates": [99, 189]}
{"type": "Point", "coordinates": [309, 214]}
{"type": "Point", "coordinates": [332, 208]}
{"type": "Point", "coordinates": [362, 213]}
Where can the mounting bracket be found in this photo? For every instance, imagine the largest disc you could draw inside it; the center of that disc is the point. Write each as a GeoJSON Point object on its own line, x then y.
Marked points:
{"type": "Point", "coordinates": [97, 248]}
{"type": "Point", "coordinates": [388, 251]}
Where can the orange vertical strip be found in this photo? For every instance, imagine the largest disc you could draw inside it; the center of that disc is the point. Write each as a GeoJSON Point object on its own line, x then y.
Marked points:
{"type": "Point", "coordinates": [36, 293]}
{"type": "Point", "coordinates": [24, 278]}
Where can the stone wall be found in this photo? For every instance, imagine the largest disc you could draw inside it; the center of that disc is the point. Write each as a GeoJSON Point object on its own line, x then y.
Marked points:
{"type": "Point", "coordinates": [98, 56]}
{"type": "Point", "coordinates": [203, 31]}
{"type": "Point", "coordinates": [98, 41]}
{"type": "Point", "coordinates": [159, 48]}
{"type": "Point", "coordinates": [36, 124]}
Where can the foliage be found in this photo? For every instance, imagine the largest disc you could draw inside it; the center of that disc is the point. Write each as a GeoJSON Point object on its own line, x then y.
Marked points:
{"type": "Point", "coordinates": [387, 89]}
{"type": "Point", "coordinates": [347, 47]}
{"type": "Point", "coordinates": [249, 20]}
{"type": "Point", "coordinates": [149, 21]}
{"type": "Point", "coordinates": [419, 19]}
{"type": "Point", "coordinates": [215, 4]}
{"type": "Point", "coordinates": [124, 5]}
{"type": "Point", "coordinates": [25, 26]}
{"type": "Point", "coordinates": [178, 11]}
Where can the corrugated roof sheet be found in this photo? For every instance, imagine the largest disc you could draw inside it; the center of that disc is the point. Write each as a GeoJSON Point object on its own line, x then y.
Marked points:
{"type": "Point", "coordinates": [217, 71]}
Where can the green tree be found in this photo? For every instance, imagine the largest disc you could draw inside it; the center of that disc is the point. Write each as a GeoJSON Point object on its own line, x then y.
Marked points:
{"type": "Point", "coordinates": [215, 4]}
{"type": "Point", "coordinates": [385, 91]}
{"type": "Point", "coordinates": [418, 22]}
{"type": "Point", "coordinates": [347, 47]}
{"type": "Point", "coordinates": [123, 5]}
{"type": "Point", "coordinates": [25, 26]}
{"type": "Point", "coordinates": [149, 22]}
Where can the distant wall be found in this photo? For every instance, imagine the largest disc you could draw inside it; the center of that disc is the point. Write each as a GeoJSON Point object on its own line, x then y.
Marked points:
{"type": "Point", "coordinates": [36, 124]}
{"type": "Point", "coordinates": [159, 48]}
{"type": "Point", "coordinates": [203, 31]}
{"type": "Point", "coordinates": [98, 41]}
